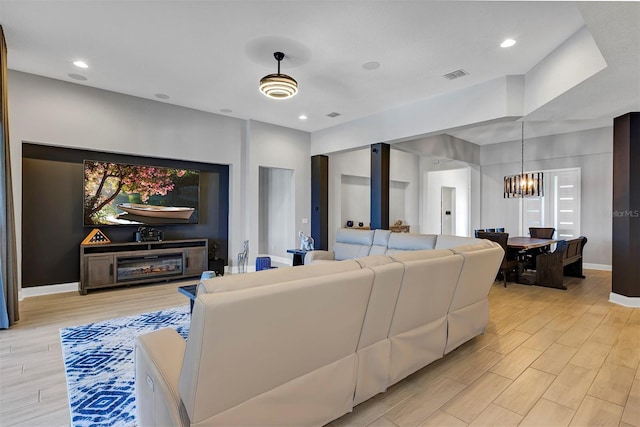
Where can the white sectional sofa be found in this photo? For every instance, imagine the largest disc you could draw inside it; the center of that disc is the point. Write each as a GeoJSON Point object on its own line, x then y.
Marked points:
{"type": "Point", "coordinates": [303, 345]}
{"type": "Point", "coordinates": [356, 243]}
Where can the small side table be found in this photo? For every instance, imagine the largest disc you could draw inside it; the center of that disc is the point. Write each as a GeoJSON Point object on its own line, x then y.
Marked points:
{"type": "Point", "coordinates": [189, 292]}
{"type": "Point", "coordinates": [298, 256]}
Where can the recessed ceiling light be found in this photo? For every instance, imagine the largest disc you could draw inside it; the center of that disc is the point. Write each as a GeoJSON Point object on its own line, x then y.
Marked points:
{"type": "Point", "coordinates": [226, 110]}
{"type": "Point", "coordinates": [162, 96]}
{"type": "Point", "coordinates": [372, 65]}
{"type": "Point", "coordinates": [77, 76]}
{"type": "Point", "coordinates": [508, 43]}
{"type": "Point", "coordinates": [80, 64]}
{"type": "Point", "coordinates": [302, 117]}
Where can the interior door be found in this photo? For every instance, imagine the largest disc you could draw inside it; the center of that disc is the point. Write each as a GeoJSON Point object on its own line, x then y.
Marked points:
{"type": "Point", "coordinates": [448, 211]}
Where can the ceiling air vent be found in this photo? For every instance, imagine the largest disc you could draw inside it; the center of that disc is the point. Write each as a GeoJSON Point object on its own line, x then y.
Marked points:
{"type": "Point", "coordinates": [455, 74]}
{"type": "Point", "coordinates": [334, 114]}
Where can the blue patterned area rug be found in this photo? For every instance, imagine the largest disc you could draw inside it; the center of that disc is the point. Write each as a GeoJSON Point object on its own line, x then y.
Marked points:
{"type": "Point", "coordinates": [99, 363]}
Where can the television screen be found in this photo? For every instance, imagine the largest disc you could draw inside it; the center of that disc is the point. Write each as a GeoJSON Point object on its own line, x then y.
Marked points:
{"type": "Point", "coordinates": [121, 194]}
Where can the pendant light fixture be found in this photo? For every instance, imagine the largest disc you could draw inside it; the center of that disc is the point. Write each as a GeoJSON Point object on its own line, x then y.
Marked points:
{"type": "Point", "coordinates": [278, 86]}
{"type": "Point", "coordinates": [525, 184]}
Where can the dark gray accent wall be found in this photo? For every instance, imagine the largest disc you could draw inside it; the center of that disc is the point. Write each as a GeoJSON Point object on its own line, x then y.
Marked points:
{"type": "Point", "coordinates": [52, 196]}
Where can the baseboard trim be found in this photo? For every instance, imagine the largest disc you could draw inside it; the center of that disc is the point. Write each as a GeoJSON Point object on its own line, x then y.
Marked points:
{"type": "Point", "coordinates": [602, 267]}
{"type": "Point", "coordinates": [47, 290]}
{"type": "Point", "coordinates": [633, 302]}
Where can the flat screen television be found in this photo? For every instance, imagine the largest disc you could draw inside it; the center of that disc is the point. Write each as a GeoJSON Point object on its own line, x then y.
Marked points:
{"type": "Point", "coordinates": [123, 194]}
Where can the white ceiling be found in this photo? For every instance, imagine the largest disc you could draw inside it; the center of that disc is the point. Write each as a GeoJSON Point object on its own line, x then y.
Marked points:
{"type": "Point", "coordinates": [210, 55]}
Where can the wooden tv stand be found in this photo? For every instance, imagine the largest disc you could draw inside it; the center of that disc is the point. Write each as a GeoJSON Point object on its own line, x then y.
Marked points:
{"type": "Point", "coordinates": [117, 264]}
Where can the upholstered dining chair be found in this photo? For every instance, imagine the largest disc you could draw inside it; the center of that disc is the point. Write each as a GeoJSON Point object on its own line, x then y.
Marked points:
{"type": "Point", "coordinates": [509, 263]}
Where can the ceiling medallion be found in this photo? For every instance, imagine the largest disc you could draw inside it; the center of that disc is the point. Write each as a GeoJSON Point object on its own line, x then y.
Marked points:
{"type": "Point", "coordinates": [278, 86]}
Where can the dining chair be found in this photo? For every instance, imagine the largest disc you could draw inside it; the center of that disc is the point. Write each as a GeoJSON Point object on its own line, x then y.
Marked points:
{"type": "Point", "coordinates": [542, 232]}
{"type": "Point", "coordinates": [508, 264]}
{"type": "Point", "coordinates": [500, 230]}
{"type": "Point", "coordinates": [477, 231]}
{"type": "Point", "coordinates": [490, 230]}
{"type": "Point", "coordinates": [539, 233]}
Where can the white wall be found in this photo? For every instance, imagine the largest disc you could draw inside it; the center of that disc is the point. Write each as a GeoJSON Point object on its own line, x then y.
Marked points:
{"type": "Point", "coordinates": [460, 179]}
{"type": "Point", "coordinates": [54, 112]}
{"type": "Point", "coordinates": [591, 151]}
{"type": "Point", "coordinates": [276, 210]}
{"type": "Point", "coordinates": [273, 146]}
{"type": "Point", "coordinates": [350, 191]}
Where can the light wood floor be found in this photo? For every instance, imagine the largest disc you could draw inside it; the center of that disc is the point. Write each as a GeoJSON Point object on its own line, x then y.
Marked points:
{"type": "Point", "coordinates": [548, 358]}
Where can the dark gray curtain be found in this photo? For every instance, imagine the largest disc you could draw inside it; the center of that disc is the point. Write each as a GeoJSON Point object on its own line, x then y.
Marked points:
{"type": "Point", "coordinates": [8, 264]}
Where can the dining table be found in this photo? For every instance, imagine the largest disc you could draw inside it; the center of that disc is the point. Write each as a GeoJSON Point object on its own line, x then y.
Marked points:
{"type": "Point", "coordinates": [528, 243]}
{"type": "Point", "coordinates": [524, 246]}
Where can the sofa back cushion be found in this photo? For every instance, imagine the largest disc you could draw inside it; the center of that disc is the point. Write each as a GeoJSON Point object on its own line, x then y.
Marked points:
{"type": "Point", "coordinates": [426, 292]}
{"type": "Point", "coordinates": [386, 284]}
{"type": "Point", "coordinates": [380, 242]}
{"type": "Point", "coordinates": [399, 242]}
{"type": "Point", "coordinates": [260, 338]}
{"type": "Point", "coordinates": [352, 243]}
{"type": "Point", "coordinates": [481, 264]}
{"type": "Point", "coordinates": [234, 282]}
{"type": "Point", "coordinates": [469, 312]}
{"type": "Point", "coordinates": [445, 241]}
{"type": "Point", "coordinates": [405, 256]}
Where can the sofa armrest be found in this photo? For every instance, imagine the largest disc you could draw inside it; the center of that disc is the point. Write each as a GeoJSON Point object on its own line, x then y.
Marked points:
{"type": "Point", "coordinates": [319, 256]}
{"type": "Point", "coordinates": [158, 362]}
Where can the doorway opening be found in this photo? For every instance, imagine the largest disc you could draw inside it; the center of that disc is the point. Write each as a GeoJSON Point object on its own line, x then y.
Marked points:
{"type": "Point", "coordinates": [276, 212]}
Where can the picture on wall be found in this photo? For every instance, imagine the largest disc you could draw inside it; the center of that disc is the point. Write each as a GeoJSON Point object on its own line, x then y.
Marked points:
{"type": "Point", "coordinates": [124, 194]}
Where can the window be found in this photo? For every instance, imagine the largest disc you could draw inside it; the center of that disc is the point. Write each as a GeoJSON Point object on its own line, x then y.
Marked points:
{"type": "Point", "coordinates": [559, 207]}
